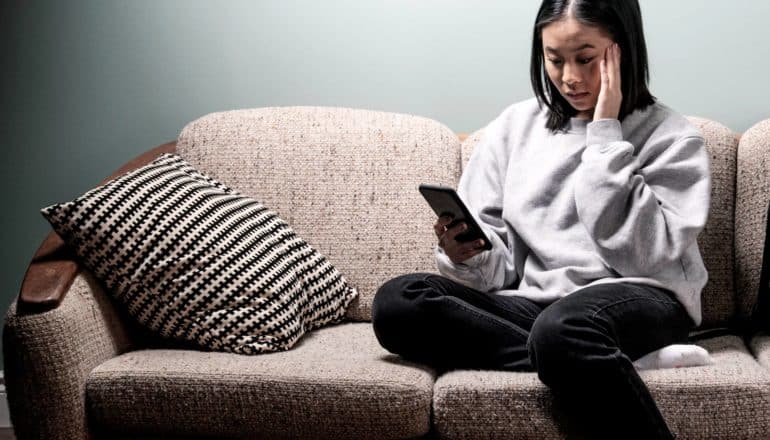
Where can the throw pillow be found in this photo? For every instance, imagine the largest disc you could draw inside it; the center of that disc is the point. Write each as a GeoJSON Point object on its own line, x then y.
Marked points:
{"type": "Point", "coordinates": [194, 260]}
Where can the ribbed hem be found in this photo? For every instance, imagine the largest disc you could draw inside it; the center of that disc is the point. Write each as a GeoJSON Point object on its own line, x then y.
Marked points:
{"type": "Point", "coordinates": [604, 131]}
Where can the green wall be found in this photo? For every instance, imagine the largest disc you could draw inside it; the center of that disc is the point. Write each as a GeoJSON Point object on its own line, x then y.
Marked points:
{"type": "Point", "coordinates": [89, 84]}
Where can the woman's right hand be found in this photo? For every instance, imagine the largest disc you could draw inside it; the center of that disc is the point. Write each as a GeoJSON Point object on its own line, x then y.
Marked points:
{"type": "Point", "coordinates": [456, 251]}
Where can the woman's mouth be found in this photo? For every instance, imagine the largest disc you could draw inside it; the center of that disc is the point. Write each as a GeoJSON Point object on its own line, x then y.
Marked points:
{"type": "Point", "coordinates": [577, 96]}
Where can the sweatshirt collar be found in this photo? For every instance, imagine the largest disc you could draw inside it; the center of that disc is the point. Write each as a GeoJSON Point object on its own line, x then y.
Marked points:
{"type": "Point", "coordinates": [577, 125]}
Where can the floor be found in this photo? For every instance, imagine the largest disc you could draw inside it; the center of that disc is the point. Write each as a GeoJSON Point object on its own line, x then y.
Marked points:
{"type": "Point", "coordinates": [6, 434]}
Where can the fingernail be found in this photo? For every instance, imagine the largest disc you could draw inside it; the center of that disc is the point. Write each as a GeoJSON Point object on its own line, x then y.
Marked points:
{"type": "Point", "coordinates": [465, 227]}
{"type": "Point", "coordinates": [481, 242]}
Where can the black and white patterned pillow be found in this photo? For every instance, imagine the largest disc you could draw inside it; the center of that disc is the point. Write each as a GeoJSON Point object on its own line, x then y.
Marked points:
{"type": "Point", "coordinates": [193, 260]}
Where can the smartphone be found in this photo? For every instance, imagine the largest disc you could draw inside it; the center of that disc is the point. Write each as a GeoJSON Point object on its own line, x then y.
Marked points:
{"type": "Point", "coordinates": [445, 202]}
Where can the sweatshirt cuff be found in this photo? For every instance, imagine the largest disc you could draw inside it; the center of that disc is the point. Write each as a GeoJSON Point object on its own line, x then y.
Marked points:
{"type": "Point", "coordinates": [603, 131]}
{"type": "Point", "coordinates": [444, 262]}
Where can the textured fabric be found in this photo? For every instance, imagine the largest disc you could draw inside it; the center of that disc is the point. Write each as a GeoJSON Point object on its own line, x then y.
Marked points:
{"type": "Point", "coordinates": [602, 202]}
{"type": "Point", "coordinates": [727, 400]}
{"type": "Point", "coordinates": [716, 239]}
{"type": "Point", "coordinates": [336, 383]}
{"type": "Point", "coordinates": [345, 179]}
{"type": "Point", "coordinates": [718, 297]}
{"type": "Point", "coordinates": [760, 318]}
{"type": "Point", "coordinates": [197, 262]}
{"type": "Point", "coordinates": [752, 195]}
{"type": "Point", "coordinates": [760, 346]}
{"type": "Point", "coordinates": [48, 357]}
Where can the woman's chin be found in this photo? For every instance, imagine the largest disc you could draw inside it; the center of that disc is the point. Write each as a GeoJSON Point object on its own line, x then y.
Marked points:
{"type": "Point", "coordinates": [584, 113]}
{"type": "Point", "coordinates": [583, 108]}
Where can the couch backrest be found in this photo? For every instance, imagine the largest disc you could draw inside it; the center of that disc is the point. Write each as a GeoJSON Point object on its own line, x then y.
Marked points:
{"type": "Point", "coordinates": [751, 200]}
{"type": "Point", "coordinates": [717, 237]}
{"type": "Point", "coordinates": [346, 180]}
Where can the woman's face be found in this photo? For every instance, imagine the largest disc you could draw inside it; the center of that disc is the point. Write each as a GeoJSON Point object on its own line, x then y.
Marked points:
{"type": "Point", "coordinates": [572, 54]}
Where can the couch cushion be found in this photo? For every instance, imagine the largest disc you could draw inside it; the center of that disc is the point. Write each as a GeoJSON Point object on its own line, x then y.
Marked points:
{"type": "Point", "coordinates": [718, 297]}
{"type": "Point", "coordinates": [345, 179]}
{"type": "Point", "coordinates": [760, 346]}
{"type": "Point", "coordinates": [730, 399]}
{"type": "Point", "coordinates": [717, 236]}
{"type": "Point", "coordinates": [336, 382]}
{"type": "Point", "coordinates": [752, 195]}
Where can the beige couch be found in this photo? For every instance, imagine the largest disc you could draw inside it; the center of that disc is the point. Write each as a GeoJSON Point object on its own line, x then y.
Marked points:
{"type": "Point", "coordinates": [347, 180]}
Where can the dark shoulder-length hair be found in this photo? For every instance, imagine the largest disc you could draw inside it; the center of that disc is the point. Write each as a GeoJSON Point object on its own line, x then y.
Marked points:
{"type": "Point", "coordinates": [622, 20]}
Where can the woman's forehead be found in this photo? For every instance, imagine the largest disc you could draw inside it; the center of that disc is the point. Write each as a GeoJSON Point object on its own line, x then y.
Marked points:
{"type": "Point", "coordinates": [569, 35]}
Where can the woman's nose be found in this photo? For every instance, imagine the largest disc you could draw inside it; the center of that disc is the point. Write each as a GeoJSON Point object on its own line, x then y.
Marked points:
{"type": "Point", "coordinates": [570, 76]}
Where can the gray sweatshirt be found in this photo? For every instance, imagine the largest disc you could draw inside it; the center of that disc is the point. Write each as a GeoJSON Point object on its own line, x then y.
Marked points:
{"type": "Point", "coordinates": [605, 202]}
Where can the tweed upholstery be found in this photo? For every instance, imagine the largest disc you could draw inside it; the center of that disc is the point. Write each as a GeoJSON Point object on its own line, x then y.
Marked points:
{"type": "Point", "coordinates": [760, 346]}
{"type": "Point", "coordinates": [751, 200]}
{"type": "Point", "coordinates": [717, 237]}
{"type": "Point", "coordinates": [48, 357]}
{"type": "Point", "coordinates": [728, 400]}
{"type": "Point", "coordinates": [337, 382]}
{"type": "Point", "coordinates": [346, 180]}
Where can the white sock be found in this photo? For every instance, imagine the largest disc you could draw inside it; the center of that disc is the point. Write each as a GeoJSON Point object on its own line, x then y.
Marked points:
{"type": "Point", "coordinates": [674, 356]}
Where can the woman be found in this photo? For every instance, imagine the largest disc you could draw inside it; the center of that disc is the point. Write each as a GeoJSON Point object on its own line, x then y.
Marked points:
{"type": "Point", "coordinates": [593, 194]}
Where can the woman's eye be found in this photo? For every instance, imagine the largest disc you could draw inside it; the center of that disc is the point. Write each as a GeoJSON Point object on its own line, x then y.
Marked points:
{"type": "Point", "coordinates": [555, 62]}
{"type": "Point", "coordinates": [586, 60]}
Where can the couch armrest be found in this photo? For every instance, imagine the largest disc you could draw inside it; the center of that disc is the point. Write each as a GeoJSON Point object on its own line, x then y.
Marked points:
{"type": "Point", "coordinates": [53, 268]}
{"type": "Point", "coordinates": [49, 355]}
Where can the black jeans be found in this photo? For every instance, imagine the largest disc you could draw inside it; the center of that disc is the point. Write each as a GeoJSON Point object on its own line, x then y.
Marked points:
{"type": "Point", "coordinates": [581, 346]}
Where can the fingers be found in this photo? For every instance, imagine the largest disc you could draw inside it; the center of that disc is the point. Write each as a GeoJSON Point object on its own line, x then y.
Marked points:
{"type": "Point", "coordinates": [603, 70]}
{"type": "Point", "coordinates": [610, 95]}
{"type": "Point", "coordinates": [611, 69]}
{"type": "Point", "coordinates": [618, 77]}
{"type": "Point", "coordinates": [459, 252]}
{"type": "Point", "coordinates": [455, 230]}
{"type": "Point", "coordinates": [447, 237]}
{"type": "Point", "coordinates": [447, 240]}
{"type": "Point", "coordinates": [440, 227]}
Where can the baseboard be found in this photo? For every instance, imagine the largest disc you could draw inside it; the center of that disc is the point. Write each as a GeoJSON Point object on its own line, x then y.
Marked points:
{"type": "Point", "coordinates": [5, 416]}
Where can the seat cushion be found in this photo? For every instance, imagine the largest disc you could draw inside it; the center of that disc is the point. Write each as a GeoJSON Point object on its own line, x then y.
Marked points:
{"type": "Point", "coordinates": [336, 382]}
{"type": "Point", "coordinates": [345, 180]}
{"type": "Point", "coordinates": [730, 399]}
{"type": "Point", "coordinates": [760, 346]}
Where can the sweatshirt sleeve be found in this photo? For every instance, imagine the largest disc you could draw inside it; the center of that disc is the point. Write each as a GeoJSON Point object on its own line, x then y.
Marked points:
{"type": "Point", "coordinates": [481, 188]}
{"type": "Point", "coordinates": [642, 213]}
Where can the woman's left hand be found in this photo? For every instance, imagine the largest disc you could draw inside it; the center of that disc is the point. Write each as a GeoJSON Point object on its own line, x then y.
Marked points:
{"type": "Point", "coordinates": [610, 95]}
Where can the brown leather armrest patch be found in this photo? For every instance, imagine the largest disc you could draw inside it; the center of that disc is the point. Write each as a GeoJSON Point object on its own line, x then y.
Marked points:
{"type": "Point", "coordinates": [48, 277]}
{"type": "Point", "coordinates": [53, 267]}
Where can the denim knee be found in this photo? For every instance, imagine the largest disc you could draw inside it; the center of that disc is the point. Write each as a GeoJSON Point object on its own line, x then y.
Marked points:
{"type": "Point", "coordinates": [552, 351]}
{"type": "Point", "coordinates": [570, 347]}
{"type": "Point", "coordinates": [382, 312]}
{"type": "Point", "coordinates": [390, 311]}
{"type": "Point", "coordinates": [545, 345]}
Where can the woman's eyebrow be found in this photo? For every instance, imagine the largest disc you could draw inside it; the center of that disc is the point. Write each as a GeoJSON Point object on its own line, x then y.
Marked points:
{"type": "Point", "coordinates": [585, 46]}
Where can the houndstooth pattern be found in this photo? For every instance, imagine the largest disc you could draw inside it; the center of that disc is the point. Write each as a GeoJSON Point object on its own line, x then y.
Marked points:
{"type": "Point", "coordinates": [196, 261]}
